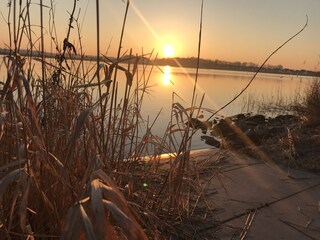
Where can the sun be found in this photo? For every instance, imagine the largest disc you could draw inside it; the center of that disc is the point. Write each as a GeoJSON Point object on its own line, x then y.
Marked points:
{"type": "Point", "coordinates": [168, 51]}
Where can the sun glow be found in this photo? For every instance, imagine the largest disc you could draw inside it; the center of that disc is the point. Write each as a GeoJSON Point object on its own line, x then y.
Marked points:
{"type": "Point", "coordinates": [168, 51]}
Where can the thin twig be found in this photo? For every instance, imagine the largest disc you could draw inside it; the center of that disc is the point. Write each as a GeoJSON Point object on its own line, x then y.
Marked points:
{"type": "Point", "coordinates": [259, 69]}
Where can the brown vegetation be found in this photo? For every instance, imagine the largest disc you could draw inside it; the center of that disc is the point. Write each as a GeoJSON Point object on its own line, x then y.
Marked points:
{"type": "Point", "coordinates": [72, 143]}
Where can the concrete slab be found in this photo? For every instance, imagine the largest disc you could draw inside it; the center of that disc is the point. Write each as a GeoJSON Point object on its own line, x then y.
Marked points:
{"type": "Point", "coordinates": [258, 200]}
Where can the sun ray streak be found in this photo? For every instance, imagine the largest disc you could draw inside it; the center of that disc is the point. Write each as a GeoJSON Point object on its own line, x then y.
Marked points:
{"type": "Point", "coordinates": [145, 21]}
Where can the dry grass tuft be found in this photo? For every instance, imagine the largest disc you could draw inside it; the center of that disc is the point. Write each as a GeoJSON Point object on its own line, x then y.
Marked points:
{"type": "Point", "coordinates": [311, 103]}
{"type": "Point", "coordinates": [103, 212]}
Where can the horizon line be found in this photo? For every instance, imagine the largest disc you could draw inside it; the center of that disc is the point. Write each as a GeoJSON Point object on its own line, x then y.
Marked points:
{"type": "Point", "coordinates": [108, 59]}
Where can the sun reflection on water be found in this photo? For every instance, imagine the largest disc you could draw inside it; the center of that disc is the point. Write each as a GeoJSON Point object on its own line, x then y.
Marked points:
{"type": "Point", "coordinates": [166, 78]}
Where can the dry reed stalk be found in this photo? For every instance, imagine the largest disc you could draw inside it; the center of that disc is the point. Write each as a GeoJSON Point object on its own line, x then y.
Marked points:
{"type": "Point", "coordinates": [177, 188]}
{"type": "Point", "coordinates": [50, 148]}
{"type": "Point", "coordinates": [98, 79]}
{"type": "Point", "coordinates": [114, 83]}
{"type": "Point", "coordinates": [43, 73]}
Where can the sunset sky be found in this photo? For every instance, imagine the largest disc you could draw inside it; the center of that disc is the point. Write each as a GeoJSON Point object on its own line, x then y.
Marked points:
{"type": "Point", "coordinates": [233, 30]}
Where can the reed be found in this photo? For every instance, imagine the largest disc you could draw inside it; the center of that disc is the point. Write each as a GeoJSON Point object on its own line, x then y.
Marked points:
{"type": "Point", "coordinates": [72, 143]}
{"type": "Point", "coordinates": [311, 102]}
{"type": "Point", "coordinates": [276, 104]}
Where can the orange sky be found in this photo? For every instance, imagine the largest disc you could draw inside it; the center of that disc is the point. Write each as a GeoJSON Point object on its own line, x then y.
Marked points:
{"type": "Point", "coordinates": [233, 30]}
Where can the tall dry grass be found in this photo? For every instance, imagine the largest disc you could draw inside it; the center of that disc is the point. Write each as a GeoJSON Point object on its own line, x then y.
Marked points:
{"type": "Point", "coordinates": [310, 105]}
{"type": "Point", "coordinates": [305, 103]}
{"type": "Point", "coordinates": [72, 143]}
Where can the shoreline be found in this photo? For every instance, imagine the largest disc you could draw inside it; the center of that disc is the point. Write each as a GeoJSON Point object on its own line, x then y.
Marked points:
{"type": "Point", "coordinates": [183, 62]}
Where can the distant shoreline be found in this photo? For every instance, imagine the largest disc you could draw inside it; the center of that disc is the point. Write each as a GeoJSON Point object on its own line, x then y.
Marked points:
{"type": "Point", "coordinates": [232, 66]}
{"type": "Point", "coordinates": [188, 63]}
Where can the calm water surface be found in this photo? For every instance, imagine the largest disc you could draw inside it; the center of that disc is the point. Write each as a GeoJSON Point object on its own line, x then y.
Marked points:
{"type": "Point", "coordinates": [219, 88]}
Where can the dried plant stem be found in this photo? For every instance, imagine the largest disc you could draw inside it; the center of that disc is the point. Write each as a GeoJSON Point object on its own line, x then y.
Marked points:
{"type": "Point", "coordinates": [114, 83]}
{"type": "Point", "coordinates": [52, 27]}
{"type": "Point", "coordinates": [98, 77]}
{"type": "Point", "coordinates": [9, 26]}
{"type": "Point", "coordinates": [24, 19]}
{"type": "Point", "coordinates": [29, 39]}
{"type": "Point", "coordinates": [15, 26]}
{"type": "Point", "coordinates": [69, 29]}
{"type": "Point", "coordinates": [259, 69]}
{"type": "Point", "coordinates": [198, 59]}
{"type": "Point", "coordinates": [19, 28]}
{"type": "Point", "coordinates": [43, 75]}
{"type": "Point", "coordinates": [123, 117]}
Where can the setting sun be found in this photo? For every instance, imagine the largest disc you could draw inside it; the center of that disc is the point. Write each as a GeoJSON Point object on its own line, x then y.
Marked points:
{"type": "Point", "coordinates": [168, 51]}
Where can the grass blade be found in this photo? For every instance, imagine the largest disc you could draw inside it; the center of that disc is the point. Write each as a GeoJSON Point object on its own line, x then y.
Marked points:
{"type": "Point", "coordinates": [26, 228]}
{"type": "Point", "coordinates": [72, 223]}
{"type": "Point", "coordinates": [87, 224]}
{"type": "Point", "coordinates": [9, 178]}
{"type": "Point", "coordinates": [130, 227]}
{"type": "Point", "coordinates": [76, 133]}
{"type": "Point", "coordinates": [98, 212]}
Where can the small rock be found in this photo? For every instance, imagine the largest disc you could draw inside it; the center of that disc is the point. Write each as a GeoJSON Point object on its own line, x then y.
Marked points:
{"type": "Point", "coordinates": [256, 119]}
{"type": "Point", "coordinates": [211, 141]}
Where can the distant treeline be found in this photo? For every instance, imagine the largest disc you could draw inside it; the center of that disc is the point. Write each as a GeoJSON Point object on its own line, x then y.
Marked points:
{"type": "Point", "coordinates": [235, 66]}
{"type": "Point", "coordinates": [188, 63]}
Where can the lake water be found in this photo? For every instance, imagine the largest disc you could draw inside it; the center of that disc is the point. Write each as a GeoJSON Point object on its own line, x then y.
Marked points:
{"type": "Point", "coordinates": [219, 88]}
